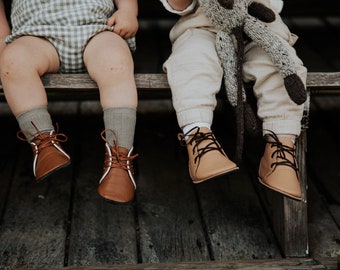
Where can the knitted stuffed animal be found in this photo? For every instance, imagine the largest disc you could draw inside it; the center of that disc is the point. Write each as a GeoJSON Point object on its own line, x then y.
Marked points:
{"type": "Point", "coordinates": [233, 19]}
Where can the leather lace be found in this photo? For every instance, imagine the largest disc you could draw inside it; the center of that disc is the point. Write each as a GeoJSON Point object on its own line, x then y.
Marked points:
{"type": "Point", "coordinates": [197, 138]}
{"type": "Point", "coordinates": [42, 140]}
{"type": "Point", "coordinates": [282, 152]}
{"type": "Point", "coordinates": [117, 160]}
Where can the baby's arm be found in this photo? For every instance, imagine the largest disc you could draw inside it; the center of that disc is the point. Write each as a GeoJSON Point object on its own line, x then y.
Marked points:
{"type": "Point", "coordinates": [179, 4]}
{"type": "Point", "coordinates": [4, 26]}
{"type": "Point", "coordinates": [180, 7]}
{"type": "Point", "coordinates": [125, 20]}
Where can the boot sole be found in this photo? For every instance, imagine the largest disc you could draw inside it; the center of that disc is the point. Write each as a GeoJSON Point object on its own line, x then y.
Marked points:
{"type": "Point", "coordinates": [45, 177]}
{"type": "Point", "coordinates": [116, 202]}
{"type": "Point", "coordinates": [280, 191]}
{"type": "Point", "coordinates": [231, 171]}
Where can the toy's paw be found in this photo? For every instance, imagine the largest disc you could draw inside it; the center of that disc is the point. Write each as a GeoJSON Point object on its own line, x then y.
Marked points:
{"type": "Point", "coordinates": [295, 88]}
{"type": "Point", "coordinates": [227, 4]}
{"type": "Point", "coordinates": [261, 12]}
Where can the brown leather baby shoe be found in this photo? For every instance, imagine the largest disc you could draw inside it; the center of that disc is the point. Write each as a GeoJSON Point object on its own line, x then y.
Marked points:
{"type": "Point", "coordinates": [118, 181]}
{"type": "Point", "coordinates": [48, 155]}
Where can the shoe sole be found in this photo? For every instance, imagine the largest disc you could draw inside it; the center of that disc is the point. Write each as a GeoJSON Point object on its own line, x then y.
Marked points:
{"type": "Point", "coordinates": [280, 191]}
{"type": "Point", "coordinates": [116, 202]}
{"type": "Point", "coordinates": [45, 177]}
{"type": "Point", "coordinates": [232, 170]}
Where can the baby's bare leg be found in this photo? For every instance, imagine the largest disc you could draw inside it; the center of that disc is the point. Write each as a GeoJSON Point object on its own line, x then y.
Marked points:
{"type": "Point", "coordinates": [109, 62]}
{"type": "Point", "coordinates": [21, 65]}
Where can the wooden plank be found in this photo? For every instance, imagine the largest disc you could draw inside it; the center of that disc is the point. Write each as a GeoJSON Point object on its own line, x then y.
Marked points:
{"type": "Point", "coordinates": [291, 226]}
{"type": "Point", "coordinates": [170, 228]}
{"type": "Point", "coordinates": [321, 225]}
{"type": "Point", "coordinates": [235, 222]}
{"type": "Point", "coordinates": [335, 212]}
{"type": "Point", "coordinates": [324, 188]}
{"type": "Point", "coordinates": [324, 154]}
{"type": "Point", "coordinates": [8, 160]}
{"type": "Point", "coordinates": [80, 86]}
{"type": "Point", "coordinates": [274, 264]}
{"type": "Point", "coordinates": [34, 227]}
{"type": "Point", "coordinates": [101, 233]}
{"type": "Point", "coordinates": [323, 83]}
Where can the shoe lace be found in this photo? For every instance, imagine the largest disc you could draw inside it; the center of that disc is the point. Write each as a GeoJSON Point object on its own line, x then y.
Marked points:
{"type": "Point", "coordinates": [282, 152]}
{"type": "Point", "coordinates": [40, 140]}
{"type": "Point", "coordinates": [197, 138]}
{"type": "Point", "coordinates": [117, 160]}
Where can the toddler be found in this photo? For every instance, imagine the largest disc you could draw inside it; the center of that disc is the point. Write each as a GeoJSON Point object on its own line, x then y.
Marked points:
{"type": "Point", "coordinates": [195, 75]}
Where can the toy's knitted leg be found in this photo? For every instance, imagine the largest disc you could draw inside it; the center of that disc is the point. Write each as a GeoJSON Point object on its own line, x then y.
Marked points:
{"type": "Point", "coordinates": [227, 54]}
{"type": "Point", "coordinates": [235, 92]}
{"type": "Point", "coordinates": [280, 56]}
{"type": "Point", "coordinates": [232, 61]}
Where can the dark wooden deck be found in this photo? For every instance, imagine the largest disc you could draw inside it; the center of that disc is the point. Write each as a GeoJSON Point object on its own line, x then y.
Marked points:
{"type": "Point", "coordinates": [63, 222]}
{"type": "Point", "coordinates": [172, 224]}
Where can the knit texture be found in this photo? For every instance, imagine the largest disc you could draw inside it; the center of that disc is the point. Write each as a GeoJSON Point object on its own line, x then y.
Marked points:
{"type": "Point", "coordinates": [120, 125]}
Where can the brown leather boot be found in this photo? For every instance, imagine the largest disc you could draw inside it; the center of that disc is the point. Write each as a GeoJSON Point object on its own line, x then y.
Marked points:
{"type": "Point", "coordinates": [278, 168]}
{"type": "Point", "coordinates": [118, 181]}
{"type": "Point", "coordinates": [48, 155]}
{"type": "Point", "coordinates": [206, 156]}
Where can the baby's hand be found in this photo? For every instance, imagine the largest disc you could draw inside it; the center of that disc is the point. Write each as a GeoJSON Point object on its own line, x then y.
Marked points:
{"type": "Point", "coordinates": [124, 23]}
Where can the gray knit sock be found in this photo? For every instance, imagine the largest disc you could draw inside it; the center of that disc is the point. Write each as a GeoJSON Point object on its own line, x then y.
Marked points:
{"type": "Point", "coordinates": [123, 122]}
{"type": "Point", "coordinates": [40, 117]}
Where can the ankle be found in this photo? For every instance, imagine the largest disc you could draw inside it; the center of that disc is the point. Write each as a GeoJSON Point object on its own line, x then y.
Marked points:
{"type": "Point", "coordinates": [189, 128]}
{"type": "Point", "coordinates": [282, 137]}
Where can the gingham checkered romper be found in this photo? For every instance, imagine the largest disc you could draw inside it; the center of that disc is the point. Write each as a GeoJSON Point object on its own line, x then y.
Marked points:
{"type": "Point", "coordinates": [67, 24]}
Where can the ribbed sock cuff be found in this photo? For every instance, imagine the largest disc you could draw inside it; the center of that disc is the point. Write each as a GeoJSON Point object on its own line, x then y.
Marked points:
{"type": "Point", "coordinates": [122, 121]}
{"type": "Point", "coordinates": [32, 120]}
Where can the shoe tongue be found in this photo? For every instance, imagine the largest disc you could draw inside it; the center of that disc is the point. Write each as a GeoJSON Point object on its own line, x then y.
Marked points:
{"type": "Point", "coordinates": [286, 141]}
{"type": "Point", "coordinates": [204, 129]}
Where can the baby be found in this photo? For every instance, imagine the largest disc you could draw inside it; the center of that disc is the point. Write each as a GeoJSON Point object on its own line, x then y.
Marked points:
{"type": "Point", "coordinates": [72, 36]}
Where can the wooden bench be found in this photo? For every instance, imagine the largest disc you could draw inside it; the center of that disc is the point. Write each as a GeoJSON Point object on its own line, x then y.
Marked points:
{"type": "Point", "coordinates": [289, 217]}
{"type": "Point", "coordinates": [155, 85]}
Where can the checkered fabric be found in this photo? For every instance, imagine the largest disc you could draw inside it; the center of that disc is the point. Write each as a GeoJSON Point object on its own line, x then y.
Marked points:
{"type": "Point", "coordinates": [67, 24]}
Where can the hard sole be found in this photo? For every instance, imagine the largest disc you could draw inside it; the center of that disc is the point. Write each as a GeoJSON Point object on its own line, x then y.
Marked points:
{"type": "Point", "coordinates": [56, 170]}
{"type": "Point", "coordinates": [280, 191]}
{"type": "Point", "coordinates": [232, 170]}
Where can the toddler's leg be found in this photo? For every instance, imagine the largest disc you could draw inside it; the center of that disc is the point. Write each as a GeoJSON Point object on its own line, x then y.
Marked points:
{"type": "Point", "coordinates": [109, 62]}
{"type": "Point", "coordinates": [195, 76]}
{"type": "Point", "coordinates": [21, 65]}
{"type": "Point", "coordinates": [280, 115]}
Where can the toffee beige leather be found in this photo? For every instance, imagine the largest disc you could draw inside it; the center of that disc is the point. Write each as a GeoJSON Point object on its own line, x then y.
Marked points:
{"type": "Point", "coordinates": [206, 156]}
{"type": "Point", "coordinates": [281, 178]}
